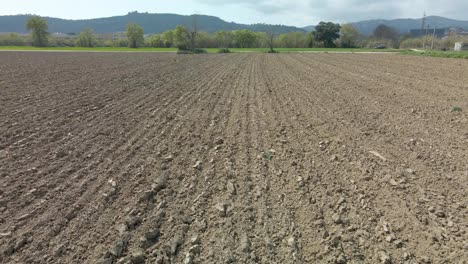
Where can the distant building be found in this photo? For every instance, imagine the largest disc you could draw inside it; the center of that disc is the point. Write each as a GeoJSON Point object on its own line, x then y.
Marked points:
{"type": "Point", "coordinates": [439, 32]}
{"type": "Point", "coordinates": [460, 46]}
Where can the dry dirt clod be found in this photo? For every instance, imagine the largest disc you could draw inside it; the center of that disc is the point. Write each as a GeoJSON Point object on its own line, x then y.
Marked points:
{"type": "Point", "coordinates": [138, 257]}
{"type": "Point", "coordinates": [219, 141]}
{"type": "Point", "coordinates": [118, 249]}
{"type": "Point", "coordinates": [175, 243]}
{"type": "Point", "coordinates": [132, 221]}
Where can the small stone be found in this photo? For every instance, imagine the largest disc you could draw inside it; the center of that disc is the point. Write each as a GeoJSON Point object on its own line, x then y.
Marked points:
{"type": "Point", "coordinates": [221, 208]}
{"type": "Point", "coordinates": [244, 243]}
{"type": "Point", "coordinates": [60, 154]}
{"type": "Point", "coordinates": [440, 213]}
{"type": "Point", "coordinates": [425, 260]}
{"type": "Point", "coordinates": [188, 258]}
{"type": "Point", "coordinates": [198, 165]}
{"type": "Point", "coordinates": [152, 235]}
{"type": "Point", "coordinates": [195, 240]}
{"type": "Point", "coordinates": [390, 238]}
{"type": "Point", "coordinates": [175, 243]}
{"type": "Point", "coordinates": [292, 242]}
{"type": "Point", "coordinates": [112, 183]}
{"type": "Point", "coordinates": [385, 258]}
{"type": "Point", "coordinates": [132, 221]}
{"type": "Point", "coordinates": [23, 217]}
{"type": "Point", "coordinates": [336, 218]}
{"type": "Point", "coordinates": [20, 243]}
{"type": "Point", "coordinates": [431, 209]}
{"type": "Point", "coordinates": [168, 158]}
{"type": "Point", "coordinates": [393, 182]}
{"type": "Point", "coordinates": [398, 243]}
{"type": "Point", "coordinates": [341, 260]}
{"type": "Point", "coordinates": [449, 224]}
{"type": "Point", "coordinates": [219, 141]}
{"type": "Point", "coordinates": [195, 249]}
{"type": "Point", "coordinates": [138, 257]}
{"type": "Point", "coordinates": [386, 228]}
{"type": "Point", "coordinates": [6, 234]}
{"type": "Point", "coordinates": [231, 188]}
{"type": "Point", "coordinates": [122, 228]}
{"type": "Point", "coordinates": [118, 248]}
{"type": "Point", "coordinates": [410, 171]}
{"type": "Point", "coordinates": [106, 261]}
{"type": "Point", "coordinates": [9, 249]}
{"type": "Point", "coordinates": [367, 178]}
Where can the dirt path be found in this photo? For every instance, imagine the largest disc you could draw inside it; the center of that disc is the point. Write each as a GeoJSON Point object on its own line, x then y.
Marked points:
{"type": "Point", "coordinates": [232, 158]}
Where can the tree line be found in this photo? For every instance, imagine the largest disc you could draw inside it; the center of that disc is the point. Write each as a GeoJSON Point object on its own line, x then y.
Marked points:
{"type": "Point", "coordinates": [326, 35]}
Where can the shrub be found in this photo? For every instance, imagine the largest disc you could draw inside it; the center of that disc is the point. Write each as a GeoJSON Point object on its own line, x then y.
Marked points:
{"type": "Point", "coordinates": [194, 51]}
{"type": "Point", "coordinates": [12, 40]}
{"type": "Point", "coordinates": [225, 50]}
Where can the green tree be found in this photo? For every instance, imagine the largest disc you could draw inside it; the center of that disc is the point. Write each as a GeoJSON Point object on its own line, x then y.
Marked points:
{"type": "Point", "coordinates": [244, 38]}
{"type": "Point", "coordinates": [383, 32]}
{"type": "Point", "coordinates": [135, 35]}
{"type": "Point", "coordinates": [168, 38]}
{"type": "Point", "coordinates": [310, 40]}
{"type": "Point", "coordinates": [38, 27]}
{"type": "Point", "coordinates": [349, 36]}
{"type": "Point", "coordinates": [293, 40]}
{"type": "Point", "coordinates": [223, 39]}
{"type": "Point", "coordinates": [181, 37]}
{"type": "Point", "coordinates": [155, 41]}
{"type": "Point", "coordinates": [327, 32]}
{"type": "Point", "coordinates": [87, 38]}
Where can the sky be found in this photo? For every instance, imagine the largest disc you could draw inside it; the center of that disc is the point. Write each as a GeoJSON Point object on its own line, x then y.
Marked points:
{"type": "Point", "coordinates": [294, 13]}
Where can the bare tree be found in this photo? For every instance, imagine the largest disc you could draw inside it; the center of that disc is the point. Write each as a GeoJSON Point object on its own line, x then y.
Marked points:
{"type": "Point", "coordinates": [269, 38]}
{"type": "Point", "coordinates": [193, 32]}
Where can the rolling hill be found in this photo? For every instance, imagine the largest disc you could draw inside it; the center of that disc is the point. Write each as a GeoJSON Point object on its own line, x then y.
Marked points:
{"type": "Point", "coordinates": [404, 25]}
{"type": "Point", "coordinates": [151, 23]}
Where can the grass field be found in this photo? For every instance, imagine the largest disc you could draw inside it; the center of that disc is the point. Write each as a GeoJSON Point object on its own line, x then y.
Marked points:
{"type": "Point", "coordinates": [210, 50]}
{"type": "Point", "coordinates": [438, 53]}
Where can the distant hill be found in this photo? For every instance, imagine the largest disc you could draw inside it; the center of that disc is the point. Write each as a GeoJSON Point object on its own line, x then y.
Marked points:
{"type": "Point", "coordinates": [151, 23]}
{"type": "Point", "coordinates": [404, 25]}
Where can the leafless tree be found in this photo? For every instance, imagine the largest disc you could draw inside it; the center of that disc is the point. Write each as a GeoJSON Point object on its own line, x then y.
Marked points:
{"type": "Point", "coordinates": [193, 32]}
{"type": "Point", "coordinates": [270, 39]}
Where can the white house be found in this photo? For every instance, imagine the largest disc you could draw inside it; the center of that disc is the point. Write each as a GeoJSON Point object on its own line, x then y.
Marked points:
{"type": "Point", "coordinates": [460, 46]}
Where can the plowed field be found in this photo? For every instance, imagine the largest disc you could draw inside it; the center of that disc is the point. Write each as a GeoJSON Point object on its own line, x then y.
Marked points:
{"type": "Point", "coordinates": [236, 158]}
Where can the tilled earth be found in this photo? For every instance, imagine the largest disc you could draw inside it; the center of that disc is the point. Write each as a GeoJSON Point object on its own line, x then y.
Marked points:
{"type": "Point", "coordinates": [239, 158]}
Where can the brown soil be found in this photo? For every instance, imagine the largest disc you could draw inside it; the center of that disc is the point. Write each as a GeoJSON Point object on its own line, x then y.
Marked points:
{"type": "Point", "coordinates": [234, 158]}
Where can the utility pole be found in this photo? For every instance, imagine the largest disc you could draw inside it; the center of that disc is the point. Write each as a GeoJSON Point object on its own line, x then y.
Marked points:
{"type": "Point", "coordinates": [433, 36]}
{"type": "Point", "coordinates": [423, 24]}
{"type": "Point", "coordinates": [423, 27]}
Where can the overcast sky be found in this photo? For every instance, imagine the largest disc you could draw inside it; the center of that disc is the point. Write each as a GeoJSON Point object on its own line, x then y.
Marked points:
{"type": "Point", "coordinates": [295, 13]}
